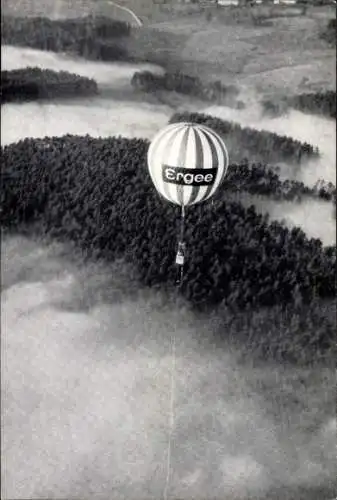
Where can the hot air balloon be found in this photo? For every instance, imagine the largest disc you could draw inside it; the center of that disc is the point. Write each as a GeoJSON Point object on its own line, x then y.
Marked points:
{"type": "Point", "coordinates": [187, 163]}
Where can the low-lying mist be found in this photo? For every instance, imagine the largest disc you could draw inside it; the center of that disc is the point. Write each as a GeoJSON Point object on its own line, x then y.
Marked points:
{"type": "Point", "coordinates": [316, 130]}
{"type": "Point", "coordinates": [86, 358]}
{"type": "Point", "coordinates": [315, 217]}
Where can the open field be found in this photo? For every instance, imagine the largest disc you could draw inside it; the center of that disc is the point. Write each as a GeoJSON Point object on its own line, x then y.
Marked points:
{"type": "Point", "coordinates": [271, 49]}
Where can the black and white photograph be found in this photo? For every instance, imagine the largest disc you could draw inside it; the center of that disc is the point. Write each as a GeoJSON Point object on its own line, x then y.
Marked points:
{"type": "Point", "coordinates": [168, 250]}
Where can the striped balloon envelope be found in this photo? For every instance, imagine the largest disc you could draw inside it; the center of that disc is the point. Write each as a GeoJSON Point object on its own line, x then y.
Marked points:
{"type": "Point", "coordinates": [187, 163]}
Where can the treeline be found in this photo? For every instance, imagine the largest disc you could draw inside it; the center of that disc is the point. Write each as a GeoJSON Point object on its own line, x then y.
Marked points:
{"type": "Point", "coordinates": [35, 83]}
{"type": "Point", "coordinates": [320, 103]}
{"type": "Point", "coordinates": [299, 335]}
{"type": "Point", "coordinates": [260, 179]}
{"type": "Point", "coordinates": [317, 103]}
{"type": "Point", "coordinates": [97, 193]}
{"type": "Point", "coordinates": [91, 37]}
{"type": "Point", "coordinates": [185, 84]}
{"type": "Point", "coordinates": [329, 33]}
{"type": "Point", "coordinates": [263, 146]}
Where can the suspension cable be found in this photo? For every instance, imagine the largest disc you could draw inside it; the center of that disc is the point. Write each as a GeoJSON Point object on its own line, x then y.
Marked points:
{"type": "Point", "coordinates": [180, 260]}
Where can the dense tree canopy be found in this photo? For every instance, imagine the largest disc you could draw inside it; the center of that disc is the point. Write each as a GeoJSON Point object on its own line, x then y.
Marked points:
{"type": "Point", "coordinates": [317, 103]}
{"type": "Point", "coordinates": [262, 145]}
{"type": "Point", "coordinates": [97, 192]}
{"type": "Point", "coordinates": [185, 84]}
{"type": "Point", "coordinates": [35, 83]}
{"type": "Point", "coordinates": [94, 37]}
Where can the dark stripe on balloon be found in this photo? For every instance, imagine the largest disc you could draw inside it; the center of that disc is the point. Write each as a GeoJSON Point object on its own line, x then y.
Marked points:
{"type": "Point", "coordinates": [224, 167]}
{"type": "Point", "coordinates": [225, 155]}
{"type": "Point", "coordinates": [224, 163]}
{"type": "Point", "coordinates": [199, 155]}
{"type": "Point", "coordinates": [181, 161]}
{"type": "Point", "coordinates": [215, 159]}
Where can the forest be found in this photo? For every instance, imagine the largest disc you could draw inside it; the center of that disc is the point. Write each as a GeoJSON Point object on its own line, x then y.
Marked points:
{"type": "Point", "coordinates": [28, 84]}
{"type": "Point", "coordinates": [236, 257]}
{"type": "Point", "coordinates": [92, 37]}
{"type": "Point", "coordinates": [247, 142]}
{"type": "Point", "coordinates": [185, 84]}
{"type": "Point", "coordinates": [316, 103]}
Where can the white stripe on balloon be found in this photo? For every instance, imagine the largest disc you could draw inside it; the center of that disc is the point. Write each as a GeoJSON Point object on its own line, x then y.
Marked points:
{"type": "Point", "coordinates": [190, 162]}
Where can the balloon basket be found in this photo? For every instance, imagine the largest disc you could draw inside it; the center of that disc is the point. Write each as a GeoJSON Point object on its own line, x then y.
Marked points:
{"type": "Point", "coordinates": [180, 257]}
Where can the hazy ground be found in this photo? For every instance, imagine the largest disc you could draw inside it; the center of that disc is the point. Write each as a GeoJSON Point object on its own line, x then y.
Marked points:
{"type": "Point", "coordinates": [86, 396]}
{"type": "Point", "coordinates": [86, 360]}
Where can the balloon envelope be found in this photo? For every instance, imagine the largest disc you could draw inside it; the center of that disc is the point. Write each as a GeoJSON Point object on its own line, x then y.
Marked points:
{"type": "Point", "coordinates": [187, 162]}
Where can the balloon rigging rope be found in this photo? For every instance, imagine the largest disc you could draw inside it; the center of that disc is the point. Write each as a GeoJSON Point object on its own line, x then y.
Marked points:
{"type": "Point", "coordinates": [173, 379]}
{"type": "Point", "coordinates": [171, 416]}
